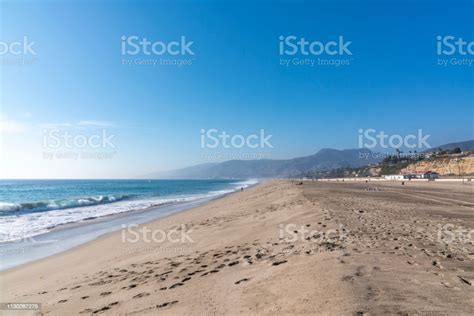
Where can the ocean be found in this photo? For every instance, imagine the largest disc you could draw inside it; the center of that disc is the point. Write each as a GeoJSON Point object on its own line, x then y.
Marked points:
{"type": "Point", "coordinates": [33, 207]}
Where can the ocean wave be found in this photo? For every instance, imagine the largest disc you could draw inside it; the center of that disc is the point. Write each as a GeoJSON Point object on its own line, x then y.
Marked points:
{"type": "Point", "coordinates": [33, 219]}
{"type": "Point", "coordinates": [30, 224]}
{"type": "Point", "coordinates": [31, 207]}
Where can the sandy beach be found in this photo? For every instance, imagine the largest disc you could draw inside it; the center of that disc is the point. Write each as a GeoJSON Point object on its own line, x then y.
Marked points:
{"type": "Point", "coordinates": [277, 248]}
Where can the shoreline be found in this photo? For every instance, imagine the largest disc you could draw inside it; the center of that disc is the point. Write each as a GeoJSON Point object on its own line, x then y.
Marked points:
{"type": "Point", "coordinates": [375, 249]}
{"type": "Point", "coordinates": [182, 207]}
{"type": "Point", "coordinates": [94, 229]}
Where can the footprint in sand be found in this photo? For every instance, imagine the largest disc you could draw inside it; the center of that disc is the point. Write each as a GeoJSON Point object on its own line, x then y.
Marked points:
{"type": "Point", "coordinates": [103, 309]}
{"type": "Point", "coordinates": [277, 263]}
{"type": "Point", "coordinates": [87, 310]}
{"type": "Point", "coordinates": [166, 304]}
{"type": "Point", "coordinates": [466, 280]}
{"type": "Point", "coordinates": [176, 285]}
{"type": "Point", "coordinates": [242, 280]}
{"type": "Point", "coordinates": [143, 294]}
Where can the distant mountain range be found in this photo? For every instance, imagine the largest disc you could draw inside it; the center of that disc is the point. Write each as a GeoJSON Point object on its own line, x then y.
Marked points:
{"type": "Point", "coordinates": [325, 159]}
{"type": "Point", "coordinates": [465, 146]}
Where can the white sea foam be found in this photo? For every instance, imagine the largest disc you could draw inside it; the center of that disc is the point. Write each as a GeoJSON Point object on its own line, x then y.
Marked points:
{"type": "Point", "coordinates": [24, 225]}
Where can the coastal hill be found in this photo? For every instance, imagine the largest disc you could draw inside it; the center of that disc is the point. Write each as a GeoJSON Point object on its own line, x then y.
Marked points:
{"type": "Point", "coordinates": [454, 159]}
{"type": "Point", "coordinates": [448, 165]}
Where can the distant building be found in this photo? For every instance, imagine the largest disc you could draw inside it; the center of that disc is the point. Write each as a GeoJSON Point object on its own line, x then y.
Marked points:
{"type": "Point", "coordinates": [429, 175]}
{"type": "Point", "coordinates": [424, 175]}
{"type": "Point", "coordinates": [394, 177]}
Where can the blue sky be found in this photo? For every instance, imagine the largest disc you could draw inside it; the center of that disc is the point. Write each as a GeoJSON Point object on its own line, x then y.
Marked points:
{"type": "Point", "coordinates": [235, 83]}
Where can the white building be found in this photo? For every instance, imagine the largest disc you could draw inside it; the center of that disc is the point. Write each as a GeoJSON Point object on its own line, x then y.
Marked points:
{"type": "Point", "coordinates": [429, 175]}
{"type": "Point", "coordinates": [394, 177]}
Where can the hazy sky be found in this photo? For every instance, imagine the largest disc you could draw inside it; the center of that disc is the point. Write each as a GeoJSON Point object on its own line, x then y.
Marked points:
{"type": "Point", "coordinates": [77, 81]}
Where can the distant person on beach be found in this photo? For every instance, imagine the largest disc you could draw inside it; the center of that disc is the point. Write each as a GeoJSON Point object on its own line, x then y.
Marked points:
{"type": "Point", "coordinates": [241, 189]}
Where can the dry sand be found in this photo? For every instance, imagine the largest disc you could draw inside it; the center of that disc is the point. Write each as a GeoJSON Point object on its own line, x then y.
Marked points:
{"type": "Point", "coordinates": [361, 249]}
